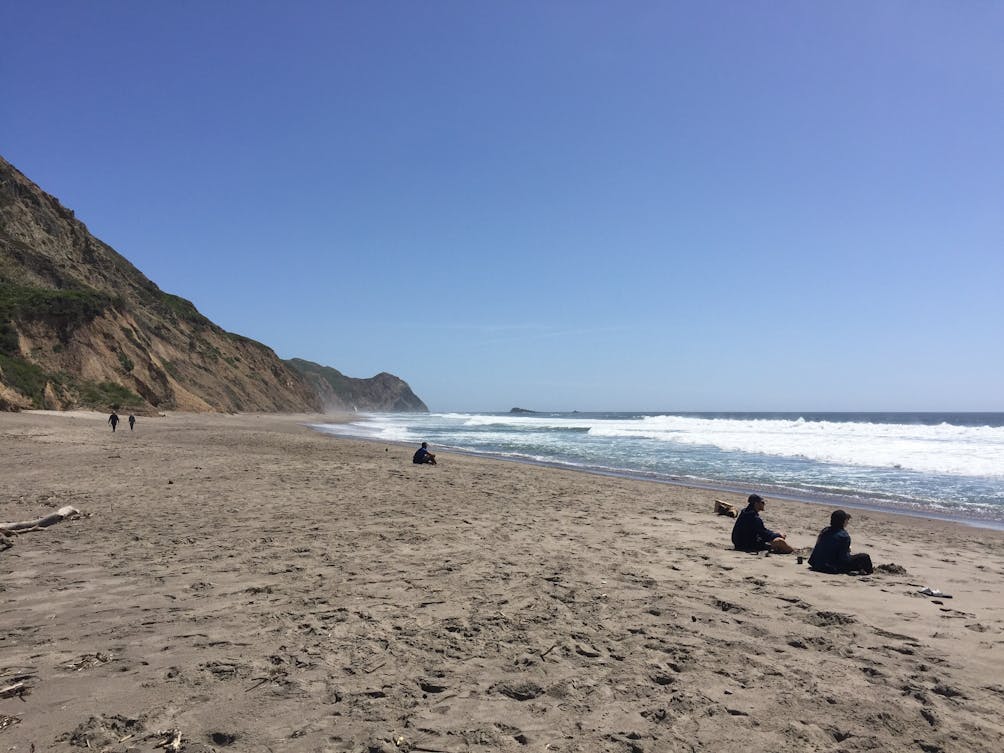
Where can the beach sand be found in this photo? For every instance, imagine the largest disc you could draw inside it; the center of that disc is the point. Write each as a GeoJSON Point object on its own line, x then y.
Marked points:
{"type": "Point", "coordinates": [243, 583]}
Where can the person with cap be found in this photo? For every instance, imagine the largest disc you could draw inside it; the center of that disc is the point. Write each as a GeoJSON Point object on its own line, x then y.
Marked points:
{"type": "Point", "coordinates": [422, 455]}
{"type": "Point", "coordinates": [749, 534]}
{"type": "Point", "coordinates": [832, 552]}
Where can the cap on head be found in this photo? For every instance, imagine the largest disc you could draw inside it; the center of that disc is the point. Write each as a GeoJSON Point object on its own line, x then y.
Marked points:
{"type": "Point", "coordinates": [839, 518]}
{"type": "Point", "coordinates": [753, 499]}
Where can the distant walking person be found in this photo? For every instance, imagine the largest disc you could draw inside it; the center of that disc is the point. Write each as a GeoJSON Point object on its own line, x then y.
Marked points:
{"type": "Point", "coordinates": [422, 455]}
{"type": "Point", "coordinates": [749, 534]}
{"type": "Point", "coordinates": [832, 552]}
{"type": "Point", "coordinates": [113, 419]}
{"type": "Point", "coordinates": [132, 421]}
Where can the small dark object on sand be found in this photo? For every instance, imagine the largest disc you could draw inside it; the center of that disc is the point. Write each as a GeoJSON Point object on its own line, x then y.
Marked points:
{"type": "Point", "coordinates": [892, 569]}
{"type": "Point", "coordinates": [724, 508]}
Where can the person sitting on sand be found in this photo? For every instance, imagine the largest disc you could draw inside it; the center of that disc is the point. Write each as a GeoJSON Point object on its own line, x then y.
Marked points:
{"type": "Point", "coordinates": [749, 534]}
{"type": "Point", "coordinates": [832, 552]}
{"type": "Point", "coordinates": [423, 456]}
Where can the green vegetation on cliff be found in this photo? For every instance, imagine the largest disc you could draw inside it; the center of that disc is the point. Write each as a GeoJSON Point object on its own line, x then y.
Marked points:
{"type": "Point", "coordinates": [31, 381]}
{"type": "Point", "coordinates": [105, 395]}
{"type": "Point", "coordinates": [180, 308]}
{"type": "Point", "coordinates": [65, 309]}
{"type": "Point", "coordinates": [26, 378]}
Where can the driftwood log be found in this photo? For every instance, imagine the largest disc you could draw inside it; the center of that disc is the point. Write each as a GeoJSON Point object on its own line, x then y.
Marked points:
{"type": "Point", "coordinates": [25, 526]}
{"type": "Point", "coordinates": [17, 689]}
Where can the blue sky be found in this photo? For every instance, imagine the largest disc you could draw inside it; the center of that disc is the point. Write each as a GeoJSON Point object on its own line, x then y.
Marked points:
{"type": "Point", "coordinates": [556, 205]}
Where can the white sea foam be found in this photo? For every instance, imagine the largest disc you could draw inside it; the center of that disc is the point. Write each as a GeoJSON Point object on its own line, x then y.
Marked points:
{"type": "Point", "coordinates": [527, 422]}
{"type": "Point", "coordinates": [943, 448]}
{"type": "Point", "coordinates": [370, 426]}
{"type": "Point", "coordinates": [947, 449]}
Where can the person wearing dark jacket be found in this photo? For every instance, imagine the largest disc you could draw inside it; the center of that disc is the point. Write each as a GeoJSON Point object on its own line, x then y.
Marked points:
{"type": "Point", "coordinates": [832, 552]}
{"type": "Point", "coordinates": [422, 456]}
{"type": "Point", "coordinates": [749, 534]}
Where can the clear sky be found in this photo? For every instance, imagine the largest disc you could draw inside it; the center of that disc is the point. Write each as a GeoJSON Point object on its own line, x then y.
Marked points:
{"type": "Point", "coordinates": [554, 205]}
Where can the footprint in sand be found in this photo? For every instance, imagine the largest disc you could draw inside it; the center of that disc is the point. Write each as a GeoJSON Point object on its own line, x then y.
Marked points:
{"type": "Point", "coordinates": [830, 619]}
{"type": "Point", "coordinates": [520, 690]}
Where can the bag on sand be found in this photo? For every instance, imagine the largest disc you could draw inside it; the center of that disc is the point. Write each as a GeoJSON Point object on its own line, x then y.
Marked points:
{"type": "Point", "coordinates": [724, 508]}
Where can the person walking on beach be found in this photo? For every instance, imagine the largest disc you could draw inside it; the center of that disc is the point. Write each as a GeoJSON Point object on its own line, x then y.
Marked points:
{"type": "Point", "coordinates": [422, 456]}
{"type": "Point", "coordinates": [749, 534]}
{"type": "Point", "coordinates": [832, 552]}
{"type": "Point", "coordinates": [132, 421]}
{"type": "Point", "coordinates": [113, 419]}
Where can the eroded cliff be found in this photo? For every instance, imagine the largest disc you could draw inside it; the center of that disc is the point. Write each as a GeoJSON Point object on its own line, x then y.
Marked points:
{"type": "Point", "coordinates": [80, 326]}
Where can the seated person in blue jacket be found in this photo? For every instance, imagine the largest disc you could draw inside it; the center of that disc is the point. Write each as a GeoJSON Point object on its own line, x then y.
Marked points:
{"type": "Point", "coordinates": [423, 456]}
{"type": "Point", "coordinates": [832, 553]}
{"type": "Point", "coordinates": [749, 534]}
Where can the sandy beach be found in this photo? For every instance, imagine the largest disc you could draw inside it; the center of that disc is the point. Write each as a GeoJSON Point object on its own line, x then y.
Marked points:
{"type": "Point", "coordinates": [244, 583]}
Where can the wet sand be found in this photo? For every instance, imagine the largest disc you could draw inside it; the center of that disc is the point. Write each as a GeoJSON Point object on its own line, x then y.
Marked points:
{"type": "Point", "coordinates": [244, 583]}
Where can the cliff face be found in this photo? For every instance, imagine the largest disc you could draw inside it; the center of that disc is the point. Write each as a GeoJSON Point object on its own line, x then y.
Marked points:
{"type": "Point", "coordinates": [384, 392]}
{"type": "Point", "coordinates": [82, 327]}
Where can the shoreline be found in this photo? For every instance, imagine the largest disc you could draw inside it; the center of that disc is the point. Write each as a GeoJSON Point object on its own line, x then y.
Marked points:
{"type": "Point", "coordinates": [725, 487]}
{"type": "Point", "coordinates": [248, 581]}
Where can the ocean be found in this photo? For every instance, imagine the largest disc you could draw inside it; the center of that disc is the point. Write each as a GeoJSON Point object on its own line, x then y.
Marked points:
{"type": "Point", "coordinates": [942, 465]}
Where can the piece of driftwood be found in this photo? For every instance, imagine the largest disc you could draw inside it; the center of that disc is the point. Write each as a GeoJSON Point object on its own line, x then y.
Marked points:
{"type": "Point", "coordinates": [26, 526]}
{"type": "Point", "coordinates": [172, 741]}
{"type": "Point", "coordinates": [17, 689]}
{"type": "Point", "coordinates": [8, 721]}
{"type": "Point", "coordinates": [724, 508]}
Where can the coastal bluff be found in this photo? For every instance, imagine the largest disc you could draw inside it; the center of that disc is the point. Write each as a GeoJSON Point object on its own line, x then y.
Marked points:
{"type": "Point", "coordinates": [81, 327]}
{"type": "Point", "coordinates": [383, 392]}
